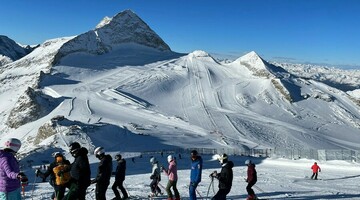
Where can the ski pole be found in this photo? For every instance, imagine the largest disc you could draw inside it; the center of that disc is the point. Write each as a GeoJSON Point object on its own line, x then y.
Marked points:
{"type": "Point", "coordinates": [255, 186]}
{"type": "Point", "coordinates": [161, 186]}
{"type": "Point", "coordinates": [207, 194]}
{"type": "Point", "coordinates": [33, 187]}
{"type": "Point", "coordinates": [198, 193]}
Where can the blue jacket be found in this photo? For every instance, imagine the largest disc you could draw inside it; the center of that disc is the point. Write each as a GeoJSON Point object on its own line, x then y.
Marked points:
{"type": "Point", "coordinates": [196, 169]}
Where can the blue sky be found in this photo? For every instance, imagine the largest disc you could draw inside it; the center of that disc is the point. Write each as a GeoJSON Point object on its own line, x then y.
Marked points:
{"type": "Point", "coordinates": [299, 31]}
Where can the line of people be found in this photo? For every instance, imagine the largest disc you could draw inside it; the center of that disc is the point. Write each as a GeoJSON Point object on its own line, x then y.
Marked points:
{"type": "Point", "coordinates": [76, 176]}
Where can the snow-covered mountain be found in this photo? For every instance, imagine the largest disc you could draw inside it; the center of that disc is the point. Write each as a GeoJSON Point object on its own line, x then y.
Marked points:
{"type": "Point", "coordinates": [121, 86]}
{"type": "Point", "coordinates": [11, 51]}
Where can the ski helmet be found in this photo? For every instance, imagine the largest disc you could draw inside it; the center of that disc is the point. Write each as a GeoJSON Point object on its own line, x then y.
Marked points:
{"type": "Point", "coordinates": [13, 144]}
{"type": "Point", "coordinates": [99, 150]}
{"type": "Point", "coordinates": [118, 157]}
{"type": "Point", "coordinates": [247, 162]}
{"type": "Point", "coordinates": [223, 158]}
{"type": "Point", "coordinates": [152, 160]}
{"type": "Point", "coordinates": [170, 158]}
{"type": "Point", "coordinates": [56, 154]}
{"type": "Point", "coordinates": [74, 147]}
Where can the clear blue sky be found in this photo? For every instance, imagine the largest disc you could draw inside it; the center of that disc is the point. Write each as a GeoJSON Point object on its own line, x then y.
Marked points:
{"type": "Point", "coordinates": [315, 31]}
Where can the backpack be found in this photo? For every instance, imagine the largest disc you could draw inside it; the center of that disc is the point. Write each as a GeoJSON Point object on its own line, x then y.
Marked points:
{"type": "Point", "coordinates": [64, 178]}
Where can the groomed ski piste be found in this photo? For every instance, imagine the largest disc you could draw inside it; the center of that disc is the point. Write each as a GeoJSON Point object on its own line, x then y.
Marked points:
{"type": "Point", "coordinates": [277, 179]}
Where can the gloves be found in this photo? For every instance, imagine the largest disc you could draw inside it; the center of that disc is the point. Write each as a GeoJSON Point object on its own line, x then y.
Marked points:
{"type": "Point", "coordinates": [152, 176]}
{"type": "Point", "coordinates": [93, 181]}
{"type": "Point", "coordinates": [60, 173]}
{"type": "Point", "coordinates": [162, 168]}
{"type": "Point", "coordinates": [214, 174]}
{"type": "Point", "coordinates": [22, 177]}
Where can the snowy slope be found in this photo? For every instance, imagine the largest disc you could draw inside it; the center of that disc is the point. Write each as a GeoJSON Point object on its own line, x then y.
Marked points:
{"type": "Point", "coordinates": [11, 51]}
{"type": "Point", "coordinates": [121, 86]}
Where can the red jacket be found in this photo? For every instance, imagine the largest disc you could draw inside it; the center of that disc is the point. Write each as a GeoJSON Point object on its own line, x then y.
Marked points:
{"type": "Point", "coordinates": [251, 174]}
{"type": "Point", "coordinates": [315, 168]}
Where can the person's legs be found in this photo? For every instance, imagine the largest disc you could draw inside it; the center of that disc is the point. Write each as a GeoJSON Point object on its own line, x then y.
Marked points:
{"type": "Point", "coordinates": [168, 191]}
{"type": "Point", "coordinates": [316, 174]}
{"type": "Point", "coordinates": [249, 190]}
{"type": "Point", "coordinates": [192, 193]}
{"type": "Point", "coordinates": [176, 192]}
{"type": "Point", "coordinates": [115, 190]}
{"type": "Point", "coordinates": [123, 191]}
{"type": "Point", "coordinates": [100, 191]}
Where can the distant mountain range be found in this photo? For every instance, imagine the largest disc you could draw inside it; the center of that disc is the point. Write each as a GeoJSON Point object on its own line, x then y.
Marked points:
{"type": "Point", "coordinates": [121, 78]}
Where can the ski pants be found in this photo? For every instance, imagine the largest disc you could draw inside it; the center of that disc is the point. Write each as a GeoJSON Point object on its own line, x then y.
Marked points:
{"type": "Point", "coordinates": [192, 191]}
{"type": "Point", "coordinates": [221, 194]}
{"type": "Point", "coordinates": [154, 185]}
{"type": "Point", "coordinates": [76, 191]}
{"type": "Point", "coordinates": [100, 190]}
{"type": "Point", "coordinates": [249, 190]}
{"type": "Point", "coordinates": [13, 195]}
{"type": "Point", "coordinates": [119, 184]}
{"type": "Point", "coordinates": [168, 191]}
{"type": "Point", "coordinates": [314, 174]}
{"type": "Point", "coordinates": [59, 191]}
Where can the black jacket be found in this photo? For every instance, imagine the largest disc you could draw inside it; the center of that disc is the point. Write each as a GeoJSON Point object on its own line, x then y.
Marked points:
{"type": "Point", "coordinates": [226, 175]}
{"type": "Point", "coordinates": [80, 168]}
{"type": "Point", "coordinates": [104, 169]}
{"type": "Point", "coordinates": [120, 170]}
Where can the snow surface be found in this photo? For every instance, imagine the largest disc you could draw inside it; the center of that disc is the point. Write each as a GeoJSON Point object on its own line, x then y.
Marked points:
{"type": "Point", "coordinates": [277, 178]}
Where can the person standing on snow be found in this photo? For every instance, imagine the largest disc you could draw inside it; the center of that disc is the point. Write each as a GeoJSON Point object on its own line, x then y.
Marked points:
{"type": "Point", "coordinates": [120, 178]}
{"type": "Point", "coordinates": [251, 179]}
{"type": "Point", "coordinates": [315, 168]}
{"type": "Point", "coordinates": [155, 177]}
{"type": "Point", "coordinates": [173, 177]}
{"type": "Point", "coordinates": [225, 178]}
{"type": "Point", "coordinates": [103, 176]}
{"type": "Point", "coordinates": [10, 175]}
{"type": "Point", "coordinates": [195, 173]}
{"type": "Point", "coordinates": [58, 182]}
{"type": "Point", "coordinates": [79, 171]}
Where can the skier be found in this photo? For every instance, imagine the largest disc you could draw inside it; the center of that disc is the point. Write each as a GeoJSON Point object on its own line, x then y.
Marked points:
{"type": "Point", "coordinates": [315, 168]}
{"type": "Point", "coordinates": [195, 174]}
{"type": "Point", "coordinates": [58, 182]}
{"type": "Point", "coordinates": [156, 178]}
{"type": "Point", "coordinates": [225, 177]}
{"type": "Point", "coordinates": [173, 177]}
{"type": "Point", "coordinates": [79, 171]}
{"type": "Point", "coordinates": [119, 178]}
{"type": "Point", "coordinates": [251, 179]}
{"type": "Point", "coordinates": [10, 175]}
{"type": "Point", "coordinates": [103, 176]}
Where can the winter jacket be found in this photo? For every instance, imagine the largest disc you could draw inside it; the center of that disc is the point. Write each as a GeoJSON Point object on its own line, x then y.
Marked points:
{"type": "Point", "coordinates": [104, 170]}
{"type": "Point", "coordinates": [172, 171]}
{"type": "Point", "coordinates": [50, 172]}
{"type": "Point", "coordinates": [80, 168]}
{"type": "Point", "coordinates": [251, 174]}
{"type": "Point", "coordinates": [9, 170]}
{"type": "Point", "coordinates": [155, 172]}
{"type": "Point", "coordinates": [226, 175]}
{"type": "Point", "coordinates": [196, 170]}
{"type": "Point", "coordinates": [120, 170]}
{"type": "Point", "coordinates": [315, 168]}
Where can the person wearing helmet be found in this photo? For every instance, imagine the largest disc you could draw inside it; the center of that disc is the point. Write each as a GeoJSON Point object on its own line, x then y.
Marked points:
{"type": "Point", "coordinates": [10, 175]}
{"type": "Point", "coordinates": [171, 172]}
{"type": "Point", "coordinates": [225, 177]}
{"type": "Point", "coordinates": [104, 172]}
{"type": "Point", "coordinates": [58, 182]}
{"type": "Point", "coordinates": [251, 179]}
{"type": "Point", "coordinates": [79, 171]}
{"type": "Point", "coordinates": [315, 168]}
{"type": "Point", "coordinates": [195, 173]}
{"type": "Point", "coordinates": [119, 178]}
{"type": "Point", "coordinates": [155, 177]}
